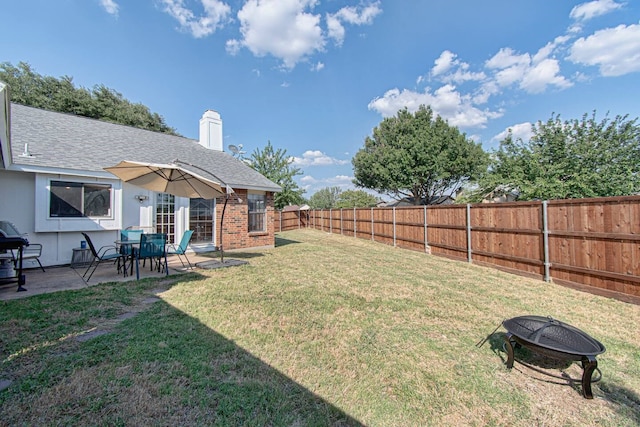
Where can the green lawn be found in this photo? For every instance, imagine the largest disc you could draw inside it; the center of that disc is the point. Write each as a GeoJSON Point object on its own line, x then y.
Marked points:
{"type": "Point", "coordinates": [321, 330]}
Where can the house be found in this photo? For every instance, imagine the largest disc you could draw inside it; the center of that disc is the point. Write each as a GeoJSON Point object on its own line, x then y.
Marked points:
{"type": "Point", "coordinates": [295, 208]}
{"type": "Point", "coordinates": [53, 185]}
{"type": "Point", "coordinates": [502, 193]}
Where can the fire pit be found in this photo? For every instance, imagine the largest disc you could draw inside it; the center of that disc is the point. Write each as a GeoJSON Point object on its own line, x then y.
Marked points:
{"type": "Point", "coordinates": [554, 339]}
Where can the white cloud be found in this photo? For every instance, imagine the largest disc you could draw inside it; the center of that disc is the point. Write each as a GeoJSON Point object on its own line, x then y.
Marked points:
{"type": "Point", "coordinates": [445, 101]}
{"type": "Point", "coordinates": [110, 6]}
{"type": "Point", "coordinates": [335, 29]}
{"type": "Point", "coordinates": [363, 15]}
{"type": "Point", "coordinates": [507, 58]}
{"type": "Point", "coordinates": [215, 15]}
{"type": "Point", "coordinates": [445, 61]}
{"type": "Point", "coordinates": [616, 51]}
{"type": "Point", "coordinates": [451, 70]}
{"type": "Point", "coordinates": [317, 66]}
{"type": "Point", "coordinates": [506, 69]}
{"type": "Point", "coordinates": [523, 131]}
{"type": "Point", "coordinates": [281, 28]}
{"type": "Point", "coordinates": [592, 9]}
{"type": "Point", "coordinates": [317, 158]}
{"type": "Point", "coordinates": [312, 185]}
{"type": "Point", "coordinates": [531, 74]}
{"type": "Point", "coordinates": [539, 76]}
{"type": "Point", "coordinates": [342, 180]}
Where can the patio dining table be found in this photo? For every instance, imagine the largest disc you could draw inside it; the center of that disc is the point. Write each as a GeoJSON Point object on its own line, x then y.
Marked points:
{"type": "Point", "coordinates": [129, 246]}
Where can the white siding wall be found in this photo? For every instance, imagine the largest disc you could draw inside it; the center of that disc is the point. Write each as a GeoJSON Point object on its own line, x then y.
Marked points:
{"type": "Point", "coordinates": [17, 204]}
{"type": "Point", "coordinates": [18, 193]}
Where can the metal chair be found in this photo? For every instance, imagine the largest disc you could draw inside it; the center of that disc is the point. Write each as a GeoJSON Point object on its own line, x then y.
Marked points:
{"type": "Point", "coordinates": [33, 251]}
{"type": "Point", "coordinates": [181, 249]}
{"type": "Point", "coordinates": [103, 254]}
{"type": "Point", "coordinates": [129, 234]}
{"type": "Point", "coordinates": [126, 235]}
{"type": "Point", "coordinates": [152, 246]}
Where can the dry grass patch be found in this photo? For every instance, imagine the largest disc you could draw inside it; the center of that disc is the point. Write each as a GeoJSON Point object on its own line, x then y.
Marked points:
{"type": "Point", "coordinates": [329, 330]}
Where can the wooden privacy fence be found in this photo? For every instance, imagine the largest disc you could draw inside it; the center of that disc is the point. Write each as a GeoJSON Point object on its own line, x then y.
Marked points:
{"type": "Point", "coordinates": [592, 242]}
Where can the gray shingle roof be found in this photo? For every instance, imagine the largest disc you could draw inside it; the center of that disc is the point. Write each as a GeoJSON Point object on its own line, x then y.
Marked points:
{"type": "Point", "coordinates": [66, 141]}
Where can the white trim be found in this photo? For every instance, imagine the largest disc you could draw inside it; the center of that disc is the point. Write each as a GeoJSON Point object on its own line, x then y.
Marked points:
{"type": "Point", "coordinates": [62, 171]}
{"type": "Point", "coordinates": [45, 223]}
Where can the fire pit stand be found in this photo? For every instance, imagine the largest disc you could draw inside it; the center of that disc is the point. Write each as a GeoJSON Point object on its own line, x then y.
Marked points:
{"type": "Point", "coordinates": [554, 339]}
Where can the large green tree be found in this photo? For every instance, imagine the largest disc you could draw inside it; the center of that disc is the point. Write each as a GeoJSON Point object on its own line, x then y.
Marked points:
{"type": "Point", "coordinates": [570, 159]}
{"type": "Point", "coordinates": [418, 155]}
{"type": "Point", "coordinates": [356, 199]}
{"type": "Point", "coordinates": [278, 167]}
{"type": "Point", "coordinates": [325, 198]}
{"type": "Point", "coordinates": [30, 88]}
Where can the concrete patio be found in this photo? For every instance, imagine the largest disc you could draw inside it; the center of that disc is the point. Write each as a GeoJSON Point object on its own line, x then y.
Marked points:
{"type": "Point", "coordinates": [61, 278]}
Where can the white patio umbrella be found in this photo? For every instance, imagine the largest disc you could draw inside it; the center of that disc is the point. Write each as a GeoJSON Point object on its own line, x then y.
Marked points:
{"type": "Point", "coordinates": [173, 179]}
{"type": "Point", "coordinates": [167, 178]}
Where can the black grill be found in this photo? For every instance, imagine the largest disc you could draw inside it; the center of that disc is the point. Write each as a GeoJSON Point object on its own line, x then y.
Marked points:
{"type": "Point", "coordinates": [11, 239]}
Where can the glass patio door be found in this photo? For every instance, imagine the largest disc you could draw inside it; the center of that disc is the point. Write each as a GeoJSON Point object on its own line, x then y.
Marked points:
{"type": "Point", "coordinates": [202, 220]}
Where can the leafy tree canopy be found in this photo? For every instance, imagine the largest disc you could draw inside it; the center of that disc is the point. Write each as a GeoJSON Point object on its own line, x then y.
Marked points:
{"type": "Point", "coordinates": [418, 156]}
{"type": "Point", "coordinates": [335, 198]}
{"type": "Point", "coordinates": [49, 93]}
{"type": "Point", "coordinates": [326, 198]}
{"type": "Point", "coordinates": [356, 199]}
{"type": "Point", "coordinates": [277, 166]}
{"type": "Point", "coordinates": [569, 159]}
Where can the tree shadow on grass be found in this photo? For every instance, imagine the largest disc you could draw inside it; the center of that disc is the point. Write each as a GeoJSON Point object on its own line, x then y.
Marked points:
{"type": "Point", "coordinates": [159, 367]}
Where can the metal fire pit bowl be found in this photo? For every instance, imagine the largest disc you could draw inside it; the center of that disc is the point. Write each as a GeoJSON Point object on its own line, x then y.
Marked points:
{"type": "Point", "coordinates": [554, 339]}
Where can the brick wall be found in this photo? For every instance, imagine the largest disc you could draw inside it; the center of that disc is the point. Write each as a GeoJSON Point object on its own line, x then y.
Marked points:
{"type": "Point", "coordinates": [235, 234]}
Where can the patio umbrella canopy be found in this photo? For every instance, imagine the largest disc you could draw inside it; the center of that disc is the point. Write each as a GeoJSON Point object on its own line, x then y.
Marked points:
{"type": "Point", "coordinates": [167, 178]}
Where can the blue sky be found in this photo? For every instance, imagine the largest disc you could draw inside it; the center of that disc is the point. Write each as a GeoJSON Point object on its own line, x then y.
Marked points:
{"type": "Point", "coordinates": [315, 77]}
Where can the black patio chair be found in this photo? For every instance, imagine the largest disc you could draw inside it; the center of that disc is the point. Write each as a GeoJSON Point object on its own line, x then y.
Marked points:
{"type": "Point", "coordinates": [103, 254]}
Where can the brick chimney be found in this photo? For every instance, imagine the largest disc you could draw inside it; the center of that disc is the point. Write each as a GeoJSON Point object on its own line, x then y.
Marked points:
{"type": "Point", "coordinates": [211, 130]}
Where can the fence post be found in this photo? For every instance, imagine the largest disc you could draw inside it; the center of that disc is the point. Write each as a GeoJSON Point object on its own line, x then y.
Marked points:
{"type": "Point", "coordinates": [373, 237]}
{"type": "Point", "coordinates": [394, 226]}
{"type": "Point", "coordinates": [469, 256]}
{"type": "Point", "coordinates": [355, 224]}
{"type": "Point", "coordinates": [341, 226]}
{"type": "Point", "coordinates": [545, 242]}
{"type": "Point", "coordinates": [426, 236]}
{"type": "Point", "coordinates": [280, 221]}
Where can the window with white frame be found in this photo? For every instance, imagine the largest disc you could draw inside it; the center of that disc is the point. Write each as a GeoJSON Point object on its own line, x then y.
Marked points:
{"type": "Point", "coordinates": [257, 212]}
{"type": "Point", "coordinates": [76, 199]}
